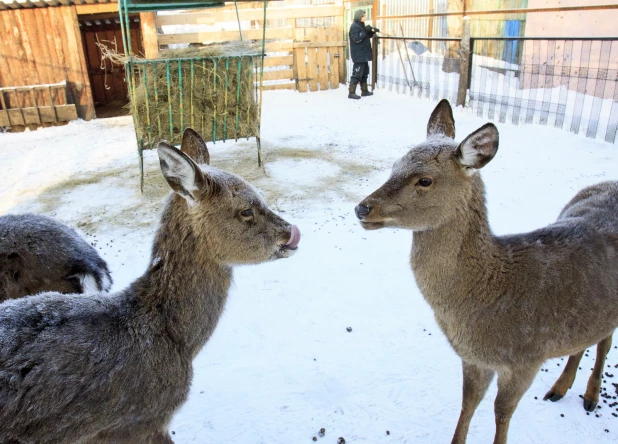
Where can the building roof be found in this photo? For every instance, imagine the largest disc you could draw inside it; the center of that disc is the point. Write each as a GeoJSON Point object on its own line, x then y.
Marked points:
{"type": "Point", "coordinates": [23, 4]}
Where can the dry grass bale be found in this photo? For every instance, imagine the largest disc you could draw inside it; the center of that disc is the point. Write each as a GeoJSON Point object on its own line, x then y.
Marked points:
{"type": "Point", "coordinates": [209, 88]}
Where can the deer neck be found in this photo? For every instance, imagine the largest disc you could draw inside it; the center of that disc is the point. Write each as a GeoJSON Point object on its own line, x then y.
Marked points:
{"type": "Point", "coordinates": [184, 291]}
{"type": "Point", "coordinates": [456, 258]}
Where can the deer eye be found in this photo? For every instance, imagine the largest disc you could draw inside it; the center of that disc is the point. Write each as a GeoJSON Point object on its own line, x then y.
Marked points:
{"type": "Point", "coordinates": [247, 213]}
{"type": "Point", "coordinates": [424, 182]}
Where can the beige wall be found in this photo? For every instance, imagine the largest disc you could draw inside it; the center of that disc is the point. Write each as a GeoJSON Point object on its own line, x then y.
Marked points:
{"type": "Point", "coordinates": [571, 24]}
{"type": "Point", "coordinates": [566, 64]}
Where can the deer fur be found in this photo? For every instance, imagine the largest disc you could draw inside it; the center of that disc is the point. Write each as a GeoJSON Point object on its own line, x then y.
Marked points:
{"type": "Point", "coordinates": [505, 303]}
{"type": "Point", "coordinates": [115, 368]}
{"type": "Point", "coordinates": [38, 254]}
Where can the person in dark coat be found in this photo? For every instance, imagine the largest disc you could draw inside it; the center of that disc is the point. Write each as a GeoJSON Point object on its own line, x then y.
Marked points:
{"type": "Point", "coordinates": [360, 51]}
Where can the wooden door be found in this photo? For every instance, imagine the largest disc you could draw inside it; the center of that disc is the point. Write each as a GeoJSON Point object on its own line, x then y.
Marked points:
{"type": "Point", "coordinates": [107, 79]}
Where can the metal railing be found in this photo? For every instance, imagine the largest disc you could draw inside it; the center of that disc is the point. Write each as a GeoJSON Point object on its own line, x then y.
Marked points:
{"type": "Point", "coordinates": [567, 83]}
{"type": "Point", "coordinates": [423, 67]}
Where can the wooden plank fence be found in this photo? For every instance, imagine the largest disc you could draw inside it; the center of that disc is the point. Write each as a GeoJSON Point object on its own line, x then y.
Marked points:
{"type": "Point", "coordinates": [43, 46]}
{"type": "Point", "coordinates": [35, 105]}
{"type": "Point", "coordinates": [299, 57]}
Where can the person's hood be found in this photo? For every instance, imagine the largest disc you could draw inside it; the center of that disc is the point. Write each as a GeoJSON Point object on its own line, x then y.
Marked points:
{"type": "Point", "coordinates": [358, 14]}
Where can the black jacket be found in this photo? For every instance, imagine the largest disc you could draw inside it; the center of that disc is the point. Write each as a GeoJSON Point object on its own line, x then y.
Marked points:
{"type": "Point", "coordinates": [360, 42]}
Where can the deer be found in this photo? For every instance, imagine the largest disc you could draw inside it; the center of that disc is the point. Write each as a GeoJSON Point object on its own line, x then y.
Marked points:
{"type": "Point", "coordinates": [115, 367]}
{"type": "Point", "coordinates": [506, 304]}
{"type": "Point", "coordinates": [40, 254]}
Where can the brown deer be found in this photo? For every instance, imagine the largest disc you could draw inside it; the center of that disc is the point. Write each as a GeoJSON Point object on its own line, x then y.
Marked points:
{"type": "Point", "coordinates": [114, 368]}
{"type": "Point", "coordinates": [38, 253]}
{"type": "Point", "coordinates": [195, 147]}
{"type": "Point", "coordinates": [505, 303]}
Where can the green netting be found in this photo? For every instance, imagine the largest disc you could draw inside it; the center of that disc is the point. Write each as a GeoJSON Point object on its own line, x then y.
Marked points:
{"type": "Point", "coordinates": [157, 5]}
{"type": "Point", "coordinates": [216, 96]}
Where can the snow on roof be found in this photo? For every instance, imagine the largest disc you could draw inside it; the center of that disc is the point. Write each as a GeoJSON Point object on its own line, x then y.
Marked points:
{"type": "Point", "coordinates": [22, 4]}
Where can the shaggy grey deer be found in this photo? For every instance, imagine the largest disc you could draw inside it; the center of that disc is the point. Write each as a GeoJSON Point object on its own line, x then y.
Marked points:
{"type": "Point", "coordinates": [505, 303]}
{"type": "Point", "coordinates": [38, 254]}
{"type": "Point", "coordinates": [114, 368]}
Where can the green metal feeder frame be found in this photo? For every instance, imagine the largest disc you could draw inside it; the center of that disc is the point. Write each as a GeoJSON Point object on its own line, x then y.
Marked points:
{"type": "Point", "coordinates": [225, 84]}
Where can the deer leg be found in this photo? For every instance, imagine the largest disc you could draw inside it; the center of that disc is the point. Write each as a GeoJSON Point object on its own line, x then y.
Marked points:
{"type": "Point", "coordinates": [591, 398]}
{"type": "Point", "coordinates": [512, 384]}
{"type": "Point", "coordinates": [565, 381]}
{"type": "Point", "coordinates": [475, 383]}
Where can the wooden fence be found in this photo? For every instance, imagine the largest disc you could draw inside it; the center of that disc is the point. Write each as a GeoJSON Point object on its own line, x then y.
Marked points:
{"type": "Point", "coordinates": [299, 54]}
{"type": "Point", "coordinates": [43, 46]}
{"type": "Point", "coordinates": [35, 105]}
{"type": "Point", "coordinates": [45, 104]}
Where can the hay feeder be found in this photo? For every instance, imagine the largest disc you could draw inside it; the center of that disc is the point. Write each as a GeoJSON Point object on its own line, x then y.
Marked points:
{"type": "Point", "coordinates": [214, 89]}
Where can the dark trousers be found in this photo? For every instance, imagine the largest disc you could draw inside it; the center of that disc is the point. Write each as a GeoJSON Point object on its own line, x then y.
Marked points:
{"type": "Point", "coordinates": [360, 72]}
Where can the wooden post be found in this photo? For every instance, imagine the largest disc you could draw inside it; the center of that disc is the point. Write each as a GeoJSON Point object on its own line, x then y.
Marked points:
{"type": "Point", "coordinates": [430, 25]}
{"type": "Point", "coordinates": [374, 12]}
{"type": "Point", "coordinates": [78, 70]}
{"type": "Point", "coordinates": [464, 65]}
{"type": "Point", "coordinates": [51, 103]}
{"type": "Point", "coordinates": [383, 25]}
{"type": "Point", "coordinates": [86, 100]}
{"type": "Point", "coordinates": [4, 114]}
{"type": "Point", "coordinates": [454, 28]}
{"type": "Point", "coordinates": [150, 37]}
{"type": "Point", "coordinates": [294, 62]}
{"type": "Point", "coordinates": [341, 33]}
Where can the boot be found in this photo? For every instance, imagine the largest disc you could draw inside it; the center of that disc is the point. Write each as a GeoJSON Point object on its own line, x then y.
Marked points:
{"type": "Point", "coordinates": [365, 91]}
{"type": "Point", "coordinates": [352, 91]}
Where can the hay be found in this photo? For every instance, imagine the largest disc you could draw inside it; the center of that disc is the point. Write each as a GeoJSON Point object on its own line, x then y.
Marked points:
{"type": "Point", "coordinates": [218, 100]}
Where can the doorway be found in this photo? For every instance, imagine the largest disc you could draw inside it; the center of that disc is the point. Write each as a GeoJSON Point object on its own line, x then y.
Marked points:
{"type": "Point", "coordinates": [107, 79]}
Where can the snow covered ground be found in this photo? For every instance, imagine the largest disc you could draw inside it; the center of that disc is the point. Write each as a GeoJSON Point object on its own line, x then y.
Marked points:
{"type": "Point", "coordinates": [281, 364]}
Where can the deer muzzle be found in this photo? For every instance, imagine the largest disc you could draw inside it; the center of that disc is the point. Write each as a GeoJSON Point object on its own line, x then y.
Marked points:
{"type": "Point", "coordinates": [365, 211]}
{"type": "Point", "coordinates": [292, 243]}
{"type": "Point", "coordinates": [362, 211]}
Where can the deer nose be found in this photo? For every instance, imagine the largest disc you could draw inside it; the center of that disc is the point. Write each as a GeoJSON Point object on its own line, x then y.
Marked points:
{"type": "Point", "coordinates": [362, 211]}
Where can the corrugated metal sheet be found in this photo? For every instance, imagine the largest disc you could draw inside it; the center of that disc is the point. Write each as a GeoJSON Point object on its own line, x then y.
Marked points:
{"type": "Point", "coordinates": [416, 27]}
{"type": "Point", "coordinates": [497, 25]}
{"type": "Point", "coordinates": [482, 26]}
{"type": "Point", "coordinates": [24, 4]}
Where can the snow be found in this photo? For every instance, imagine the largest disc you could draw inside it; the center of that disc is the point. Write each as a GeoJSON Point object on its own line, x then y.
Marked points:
{"type": "Point", "coordinates": [281, 364]}
{"type": "Point", "coordinates": [406, 73]}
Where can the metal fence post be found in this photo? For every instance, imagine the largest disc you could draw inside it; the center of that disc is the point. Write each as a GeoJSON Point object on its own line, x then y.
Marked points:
{"type": "Point", "coordinates": [374, 62]}
{"type": "Point", "coordinates": [464, 65]}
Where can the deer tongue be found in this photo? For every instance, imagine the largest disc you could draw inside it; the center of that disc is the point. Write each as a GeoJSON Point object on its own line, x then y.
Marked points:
{"type": "Point", "coordinates": [294, 238]}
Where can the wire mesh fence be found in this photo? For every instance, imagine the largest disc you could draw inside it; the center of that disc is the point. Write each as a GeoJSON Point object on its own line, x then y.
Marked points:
{"type": "Point", "coordinates": [424, 68]}
{"type": "Point", "coordinates": [566, 83]}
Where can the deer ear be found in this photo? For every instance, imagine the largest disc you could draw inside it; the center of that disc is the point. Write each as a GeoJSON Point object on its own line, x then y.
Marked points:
{"type": "Point", "coordinates": [182, 174]}
{"type": "Point", "coordinates": [479, 147]}
{"type": "Point", "coordinates": [442, 121]}
{"type": "Point", "coordinates": [195, 147]}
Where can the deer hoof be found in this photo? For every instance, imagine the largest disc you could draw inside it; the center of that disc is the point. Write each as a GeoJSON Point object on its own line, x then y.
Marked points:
{"type": "Point", "coordinates": [552, 396]}
{"type": "Point", "coordinates": [589, 406]}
